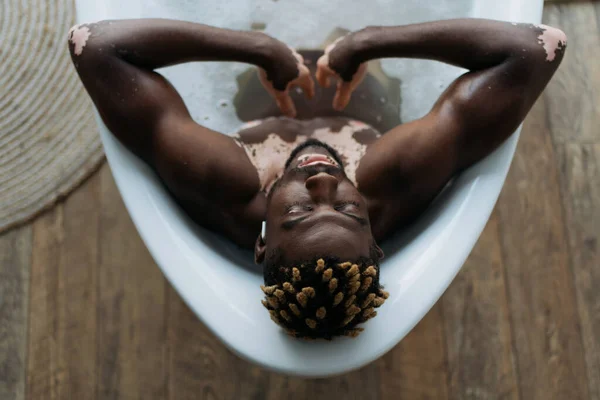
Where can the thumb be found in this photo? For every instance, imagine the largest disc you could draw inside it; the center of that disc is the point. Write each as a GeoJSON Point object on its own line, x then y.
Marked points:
{"type": "Point", "coordinates": [342, 95]}
{"type": "Point", "coordinates": [285, 103]}
{"type": "Point", "coordinates": [308, 86]}
{"type": "Point", "coordinates": [324, 72]}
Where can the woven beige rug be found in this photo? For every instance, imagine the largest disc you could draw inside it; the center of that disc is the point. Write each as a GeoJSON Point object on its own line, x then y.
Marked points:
{"type": "Point", "coordinates": [48, 137]}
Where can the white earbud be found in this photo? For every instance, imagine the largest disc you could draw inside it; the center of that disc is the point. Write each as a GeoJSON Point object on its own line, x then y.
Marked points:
{"type": "Point", "coordinates": [263, 231]}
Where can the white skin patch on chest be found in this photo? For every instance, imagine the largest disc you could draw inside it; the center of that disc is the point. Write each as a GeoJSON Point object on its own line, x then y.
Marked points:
{"type": "Point", "coordinates": [345, 144]}
{"type": "Point", "coordinates": [269, 156]}
{"type": "Point", "coordinates": [551, 39]}
{"type": "Point", "coordinates": [79, 35]}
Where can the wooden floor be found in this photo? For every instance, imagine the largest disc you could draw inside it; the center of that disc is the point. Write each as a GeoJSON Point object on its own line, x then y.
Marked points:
{"type": "Point", "coordinates": [86, 314]}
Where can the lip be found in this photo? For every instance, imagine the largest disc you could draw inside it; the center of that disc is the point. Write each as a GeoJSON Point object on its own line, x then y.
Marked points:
{"type": "Point", "coordinates": [316, 159]}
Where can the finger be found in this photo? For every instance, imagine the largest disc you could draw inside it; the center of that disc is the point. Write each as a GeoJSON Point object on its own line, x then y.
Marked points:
{"type": "Point", "coordinates": [342, 95]}
{"type": "Point", "coordinates": [262, 76]}
{"type": "Point", "coordinates": [322, 78]}
{"type": "Point", "coordinates": [308, 86]}
{"type": "Point", "coordinates": [285, 104]}
{"type": "Point", "coordinates": [324, 73]}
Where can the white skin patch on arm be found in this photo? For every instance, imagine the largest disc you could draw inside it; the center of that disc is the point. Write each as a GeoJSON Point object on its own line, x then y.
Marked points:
{"type": "Point", "coordinates": [79, 35]}
{"type": "Point", "coordinates": [552, 39]}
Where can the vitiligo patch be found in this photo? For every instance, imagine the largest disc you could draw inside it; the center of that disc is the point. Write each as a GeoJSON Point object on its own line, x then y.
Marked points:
{"type": "Point", "coordinates": [79, 35]}
{"type": "Point", "coordinates": [551, 39]}
{"type": "Point", "coordinates": [269, 156]}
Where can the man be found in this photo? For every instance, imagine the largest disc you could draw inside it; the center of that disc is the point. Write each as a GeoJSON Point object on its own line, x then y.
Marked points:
{"type": "Point", "coordinates": [328, 188]}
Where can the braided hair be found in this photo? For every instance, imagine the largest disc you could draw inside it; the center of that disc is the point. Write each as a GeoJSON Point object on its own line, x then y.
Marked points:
{"type": "Point", "coordinates": [323, 298]}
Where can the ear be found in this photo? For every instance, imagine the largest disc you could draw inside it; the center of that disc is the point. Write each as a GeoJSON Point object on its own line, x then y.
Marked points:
{"type": "Point", "coordinates": [260, 248]}
{"type": "Point", "coordinates": [380, 252]}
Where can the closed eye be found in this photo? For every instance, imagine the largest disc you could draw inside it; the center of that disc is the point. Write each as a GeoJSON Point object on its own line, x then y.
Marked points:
{"type": "Point", "coordinates": [297, 207]}
{"type": "Point", "coordinates": [348, 206]}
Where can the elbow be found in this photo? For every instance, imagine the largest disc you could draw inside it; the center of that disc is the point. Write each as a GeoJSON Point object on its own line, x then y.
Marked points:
{"type": "Point", "coordinates": [554, 33]}
{"type": "Point", "coordinates": [77, 39]}
{"type": "Point", "coordinates": [554, 42]}
{"type": "Point", "coordinates": [540, 55]}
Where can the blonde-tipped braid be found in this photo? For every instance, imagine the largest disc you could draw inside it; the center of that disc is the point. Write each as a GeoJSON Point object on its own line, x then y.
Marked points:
{"type": "Point", "coordinates": [368, 300]}
{"type": "Point", "coordinates": [353, 287]}
{"type": "Point", "coordinates": [353, 332]}
{"type": "Point", "coordinates": [302, 299]}
{"type": "Point", "coordinates": [321, 313]}
{"type": "Point", "coordinates": [338, 298]}
{"type": "Point", "coordinates": [295, 309]}
{"type": "Point", "coordinates": [320, 266]}
{"type": "Point", "coordinates": [350, 300]}
{"type": "Point", "coordinates": [289, 288]}
{"type": "Point", "coordinates": [333, 285]}
{"type": "Point", "coordinates": [324, 299]}
{"type": "Point", "coordinates": [365, 284]}
{"type": "Point", "coordinates": [280, 295]}
{"type": "Point", "coordinates": [285, 315]}
{"type": "Point", "coordinates": [371, 271]}
{"type": "Point", "coordinates": [352, 271]}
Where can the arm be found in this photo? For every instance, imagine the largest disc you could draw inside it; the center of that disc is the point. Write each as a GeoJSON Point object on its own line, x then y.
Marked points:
{"type": "Point", "coordinates": [509, 66]}
{"type": "Point", "coordinates": [115, 61]}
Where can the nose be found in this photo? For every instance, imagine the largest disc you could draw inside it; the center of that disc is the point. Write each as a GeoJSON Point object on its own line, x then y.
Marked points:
{"type": "Point", "coordinates": [322, 187]}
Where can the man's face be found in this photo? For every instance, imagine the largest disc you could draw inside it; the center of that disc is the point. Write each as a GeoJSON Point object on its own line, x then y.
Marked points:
{"type": "Point", "coordinates": [316, 210]}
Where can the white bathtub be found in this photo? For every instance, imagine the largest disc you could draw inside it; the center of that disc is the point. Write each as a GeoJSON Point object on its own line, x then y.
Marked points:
{"type": "Point", "coordinates": [221, 283]}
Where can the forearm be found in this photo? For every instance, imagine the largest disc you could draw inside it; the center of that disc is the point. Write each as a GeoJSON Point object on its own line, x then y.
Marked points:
{"type": "Point", "coordinates": [474, 44]}
{"type": "Point", "coordinates": [155, 43]}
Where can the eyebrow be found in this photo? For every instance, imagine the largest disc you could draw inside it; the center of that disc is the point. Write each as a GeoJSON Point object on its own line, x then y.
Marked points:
{"type": "Point", "coordinates": [288, 225]}
{"type": "Point", "coordinates": [360, 220]}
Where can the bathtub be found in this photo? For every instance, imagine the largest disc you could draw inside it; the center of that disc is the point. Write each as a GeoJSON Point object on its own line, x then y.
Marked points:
{"type": "Point", "coordinates": [219, 282]}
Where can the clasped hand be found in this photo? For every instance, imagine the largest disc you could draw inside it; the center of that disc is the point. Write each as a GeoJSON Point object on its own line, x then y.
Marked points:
{"type": "Point", "coordinates": [286, 70]}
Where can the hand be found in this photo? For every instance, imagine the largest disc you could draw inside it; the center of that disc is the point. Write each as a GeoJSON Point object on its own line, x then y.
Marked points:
{"type": "Point", "coordinates": [339, 62]}
{"type": "Point", "coordinates": [287, 71]}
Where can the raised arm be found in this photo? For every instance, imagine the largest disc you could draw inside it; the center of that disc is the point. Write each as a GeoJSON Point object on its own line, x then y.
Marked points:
{"type": "Point", "coordinates": [509, 66]}
{"type": "Point", "coordinates": [115, 60]}
{"type": "Point", "coordinates": [206, 171]}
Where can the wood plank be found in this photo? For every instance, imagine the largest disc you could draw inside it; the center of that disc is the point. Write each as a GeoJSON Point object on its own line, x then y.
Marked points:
{"type": "Point", "coordinates": [573, 96]}
{"type": "Point", "coordinates": [15, 263]}
{"type": "Point", "coordinates": [417, 367]}
{"type": "Point", "coordinates": [478, 334]}
{"type": "Point", "coordinates": [81, 216]}
{"type": "Point", "coordinates": [580, 177]}
{"type": "Point", "coordinates": [131, 324]}
{"type": "Point", "coordinates": [45, 367]}
{"type": "Point", "coordinates": [199, 365]}
{"type": "Point", "coordinates": [62, 333]}
{"type": "Point", "coordinates": [544, 318]}
{"type": "Point", "coordinates": [356, 385]}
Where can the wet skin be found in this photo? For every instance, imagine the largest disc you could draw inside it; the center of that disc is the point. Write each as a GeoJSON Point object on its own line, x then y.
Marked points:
{"type": "Point", "coordinates": [313, 211]}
